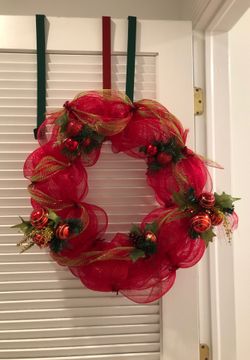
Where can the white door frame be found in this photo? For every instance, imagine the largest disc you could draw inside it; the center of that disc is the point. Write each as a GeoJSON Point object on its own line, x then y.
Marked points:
{"type": "Point", "coordinates": [221, 266]}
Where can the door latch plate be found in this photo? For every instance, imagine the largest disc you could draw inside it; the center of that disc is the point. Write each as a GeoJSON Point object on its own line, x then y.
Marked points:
{"type": "Point", "coordinates": [198, 101]}
{"type": "Point", "coordinates": [204, 352]}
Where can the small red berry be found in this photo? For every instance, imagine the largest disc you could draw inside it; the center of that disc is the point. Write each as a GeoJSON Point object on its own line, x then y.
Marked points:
{"type": "Point", "coordinates": [164, 158]}
{"type": "Point", "coordinates": [70, 144]}
{"type": "Point", "coordinates": [74, 128]}
{"type": "Point", "coordinates": [86, 142]}
{"type": "Point", "coordinates": [151, 150]}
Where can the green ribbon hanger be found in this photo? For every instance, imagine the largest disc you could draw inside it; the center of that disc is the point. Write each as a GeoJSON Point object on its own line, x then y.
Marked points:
{"type": "Point", "coordinates": [131, 49]}
{"type": "Point", "coordinates": [41, 71]}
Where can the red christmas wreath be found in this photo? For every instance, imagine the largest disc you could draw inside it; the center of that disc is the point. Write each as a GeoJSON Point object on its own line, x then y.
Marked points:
{"type": "Point", "coordinates": [141, 264]}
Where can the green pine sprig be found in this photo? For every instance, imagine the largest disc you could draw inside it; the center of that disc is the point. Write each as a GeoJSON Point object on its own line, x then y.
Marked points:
{"type": "Point", "coordinates": [57, 245]}
{"type": "Point", "coordinates": [75, 225]}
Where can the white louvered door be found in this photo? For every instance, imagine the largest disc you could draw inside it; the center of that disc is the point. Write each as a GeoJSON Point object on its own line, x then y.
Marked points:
{"type": "Point", "coordinates": [47, 307]}
{"type": "Point", "coordinates": [45, 313]}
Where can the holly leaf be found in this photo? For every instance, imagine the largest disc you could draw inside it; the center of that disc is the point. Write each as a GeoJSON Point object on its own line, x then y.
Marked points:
{"type": "Point", "coordinates": [193, 234]}
{"type": "Point", "coordinates": [180, 199]}
{"type": "Point", "coordinates": [224, 201]}
{"type": "Point", "coordinates": [149, 248]}
{"type": "Point", "coordinates": [151, 227]}
{"type": "Point", "coordinates": [136, 254]}
{"type": "Point", "coordinates": [135, 229]}
{"type": "Point", "coordinates": [208, 236]}
{"type": "Point", "coordinates": [24, 226]}
{"type": "Point", "coordinates": [143, 149]}
{"type": "Point", "coordinates": [54, 217]}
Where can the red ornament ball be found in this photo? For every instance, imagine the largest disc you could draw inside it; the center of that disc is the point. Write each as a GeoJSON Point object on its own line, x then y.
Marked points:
{"type": "Point", "coordinates": [63, 231]}
{"type": "Point", "coordinates": [150, 236]}
{"type": "Point", "coordinates": [86, 142]}
{"type": "Point", "coordinates": [201, 222]}
{"type": "Point", "coordinates": [39, 240]}
{"type": "Point", "coordinates": [216, 218]}
{"type": "Point", "coordinates": [164, 158]}
{"type": "Point", "coordinates": [74, 128]}
{"type": "Point", "coordinates": [70, 144]}
{"type": "Point", "coordinates": [151, 150]}
{"type": "Point", "coordinates": [39, 218]}
{"type": "Point", "coordinates": [207, 200]}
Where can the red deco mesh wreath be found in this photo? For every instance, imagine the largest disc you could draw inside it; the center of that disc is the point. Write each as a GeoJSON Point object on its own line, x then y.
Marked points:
{"type": "Point", "coordinates": [141, 264]}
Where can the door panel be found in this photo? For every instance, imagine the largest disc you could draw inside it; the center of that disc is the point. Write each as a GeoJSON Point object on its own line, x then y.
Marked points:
{"type": "Point", "coordinates": [91, 323]}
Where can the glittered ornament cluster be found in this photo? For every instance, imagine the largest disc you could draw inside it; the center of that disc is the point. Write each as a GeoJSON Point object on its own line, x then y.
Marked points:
{"type": "Point", "coordinates": [141, 264]}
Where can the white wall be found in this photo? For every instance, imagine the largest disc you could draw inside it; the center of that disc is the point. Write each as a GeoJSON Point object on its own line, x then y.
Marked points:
{"type": "Point", "coordinates": [200, 12]}
{"type": "Point", "coordinates": [239, 48]}
{"type": "Point", "coordinates": [144, 9]}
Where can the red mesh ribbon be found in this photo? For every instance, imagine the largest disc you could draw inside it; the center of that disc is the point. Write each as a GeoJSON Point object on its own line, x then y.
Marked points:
{"type": "Point", "coordinates": [190, 172]}
{"type": "Point", "coordinates": [151, 121]}
{"type": "Point", "coordinates": [145, 280]}
{"type": "Point", "coordinates": [59, 182]}
{"type": "Point", "coordinates": [106, 111]}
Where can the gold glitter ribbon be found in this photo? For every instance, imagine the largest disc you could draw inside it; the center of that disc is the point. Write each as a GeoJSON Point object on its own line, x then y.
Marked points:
{"type": "Point", "coordinates": [86, 258]}
{"type": "Point", "coordinates": [47, 167]}
{"type": "Point", "coordinates": [170, 124]}
{"type": "Point", "coordinates": [170, 215]}
{"type": "Point", "coordinates": [106, 128]}
{"type": "Point", "coordinates": [54, 204]}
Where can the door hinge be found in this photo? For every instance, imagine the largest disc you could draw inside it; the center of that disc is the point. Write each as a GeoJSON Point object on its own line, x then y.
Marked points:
{"type": "Point", "coordinates": [204, 352]}
{"type": "Point", "coordinates": [198, 101]}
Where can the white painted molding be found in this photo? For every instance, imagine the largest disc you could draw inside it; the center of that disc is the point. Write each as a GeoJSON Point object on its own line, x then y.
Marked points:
{"type": "Point", "coordinates": [201, 148]}
{"type": "Point", "coordinates": [221, 262]}
{"type": "Point", "coordinates": [218, 147]}
{"type": "Point", "coordinates": [227, 15]}
{"type": "Point", "coordinates": [217, 14]}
